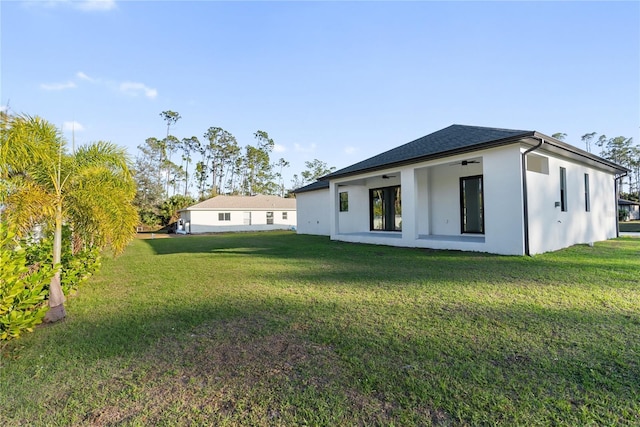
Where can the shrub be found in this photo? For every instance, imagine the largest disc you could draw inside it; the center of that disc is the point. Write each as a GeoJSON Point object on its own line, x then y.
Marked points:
{"type": "Point", "coordinates": [74, 269]}
{"type": "Point", "coordinates": [23, 288]}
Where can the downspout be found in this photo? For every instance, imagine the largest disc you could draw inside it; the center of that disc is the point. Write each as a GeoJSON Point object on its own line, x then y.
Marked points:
{"type": "Point", "coordinates": [615, 189]}
{"type": "Point", "coordinates": [525, 203]}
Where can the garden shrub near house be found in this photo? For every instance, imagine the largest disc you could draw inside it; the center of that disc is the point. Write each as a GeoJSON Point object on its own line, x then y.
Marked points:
{"type": "Point", "coordinates": [75, 266]}
{"type": "Point", "coordinates": [23, 288]}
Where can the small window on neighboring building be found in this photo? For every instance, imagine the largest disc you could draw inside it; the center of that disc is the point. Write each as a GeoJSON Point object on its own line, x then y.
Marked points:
{"type": "Point", "coordinates": [284, 215]}
{"type": "Point", "coordinates": [344, 201]}
{"type": "Point", "coordinates": [587, 202]}
{"type": "Point", "coordinates": [224, 216]}
{"type": "Point", "coordinates": [269, 217]}
{"type": "Point", "coordinates": [563, 189]}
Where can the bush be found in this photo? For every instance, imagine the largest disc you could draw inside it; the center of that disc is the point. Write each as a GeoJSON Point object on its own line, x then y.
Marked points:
{"type": "Point", "coordinates": [23, 288]}
{"type": "Point", "coordinates": [149, 218]}
{"type": "Point", "coordinates": [623, 215]}
{"type": "Point", "coordinates": [74, 269]}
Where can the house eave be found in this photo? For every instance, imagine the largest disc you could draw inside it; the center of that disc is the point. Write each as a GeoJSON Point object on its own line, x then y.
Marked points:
{"type": "Point", "coordinates": [579, 154]}
{"type": "Point", "coordinates": [435, 156]}
{"type": "Point", "coordinates": [560, 148]}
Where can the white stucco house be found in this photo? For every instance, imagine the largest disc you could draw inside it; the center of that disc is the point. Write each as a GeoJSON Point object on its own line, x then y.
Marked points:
{"type": "Point", "coordinates": [503, 191]}
{"type": "Point", "coordinates": [239, 213]}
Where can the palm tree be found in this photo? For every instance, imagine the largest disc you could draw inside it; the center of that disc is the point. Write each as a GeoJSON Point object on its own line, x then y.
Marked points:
{"type": "Point", "coordinates": [91, 190]}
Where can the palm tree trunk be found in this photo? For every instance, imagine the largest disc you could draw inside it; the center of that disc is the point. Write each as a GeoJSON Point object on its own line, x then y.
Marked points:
{"type": "Point", "coordinates": [56, 296]}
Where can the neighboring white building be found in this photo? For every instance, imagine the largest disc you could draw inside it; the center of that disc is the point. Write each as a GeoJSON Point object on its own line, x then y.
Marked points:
{"type": "Point", "coordinates": [239, 213]}
{"type": "Point", "coordinates": [503, 191]}
{"type": "Point", "coordinates": [630, 208]}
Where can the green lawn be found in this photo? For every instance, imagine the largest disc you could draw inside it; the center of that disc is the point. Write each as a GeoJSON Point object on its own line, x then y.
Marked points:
{"type": "Point", "coordinates": [280, 329]}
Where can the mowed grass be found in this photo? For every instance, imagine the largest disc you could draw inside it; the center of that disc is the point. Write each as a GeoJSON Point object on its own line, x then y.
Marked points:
{"type": "Point", "coordinates": [279, 329]}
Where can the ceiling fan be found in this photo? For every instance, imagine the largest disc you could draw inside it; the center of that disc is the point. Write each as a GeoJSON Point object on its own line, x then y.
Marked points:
{"type": "Point", "coordinates": [465, 162]}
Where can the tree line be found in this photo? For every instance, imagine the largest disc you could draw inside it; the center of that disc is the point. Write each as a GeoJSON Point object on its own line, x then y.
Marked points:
{"type": "Point", "coordinates": [620, 150]}
{"type": "Point", "coordinates": [172, 173]}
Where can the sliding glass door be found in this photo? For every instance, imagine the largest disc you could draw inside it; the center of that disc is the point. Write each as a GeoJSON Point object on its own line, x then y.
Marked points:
{"type": "Point", "coordinates": [385, 209]}
{"type": "Point", "coordinates": [471, 204]}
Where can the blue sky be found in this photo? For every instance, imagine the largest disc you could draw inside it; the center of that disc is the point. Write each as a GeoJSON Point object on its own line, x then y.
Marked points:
{"type": "Point", "coordinates": [339, 82]}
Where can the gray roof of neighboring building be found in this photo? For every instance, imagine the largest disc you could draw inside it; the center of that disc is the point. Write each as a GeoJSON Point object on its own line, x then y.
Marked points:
{"type": "Point", "coordinates": [257, 202]}
{"type": "Point", "coordinates": [455, 139]}
{"type": "Point", "coordinates": [318, 185]}
{"type": "Point", "coordinates": [628, 202]}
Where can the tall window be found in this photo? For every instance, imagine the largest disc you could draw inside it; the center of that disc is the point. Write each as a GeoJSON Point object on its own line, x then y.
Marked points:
{"type": "Point", "coordinates": [563, 189]}
{"type": "Point", "coordinates": [269, 217]}
{"type": "Point", "coordinates": [284, 215]}
{"type": "Point", "coordinates": [471, 204]}
{"type": "Point", "coordinates": [385, 209]}
{"type": "Point", "coordinates": [224, 216]}
{"type": "Point", "coordinates": [587, 201]}
{"type": "Point", "coordinates": [344, 201]}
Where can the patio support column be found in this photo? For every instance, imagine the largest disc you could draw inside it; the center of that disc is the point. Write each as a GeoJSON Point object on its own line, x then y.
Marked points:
{"type": "Point", "coordinates": [409, 204]}
{"type": "Point", "coordinates": [334, 219]}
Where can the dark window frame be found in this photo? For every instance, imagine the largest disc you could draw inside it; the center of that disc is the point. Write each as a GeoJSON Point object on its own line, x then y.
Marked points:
{"type": "Point", "coordinates": [224, 216]}
{"type": "Point", "coordinates": [285, 215]}
{"type": "Point", "coordinates": [269, 218]}
{"type": "Point", "coordinates": [344, 201]}
{"type": "Point", "coordinates": [388, 208]}
{"type": "Point", "coordinates": [587, 194]}
{"type": "Point", "coordinates": [563, 189]}
{"type": "Point", "coordinates": [463, 224]}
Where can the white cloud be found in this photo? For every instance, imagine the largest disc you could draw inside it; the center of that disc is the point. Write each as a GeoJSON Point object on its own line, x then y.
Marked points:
{"type": "Point", "coordinates": [72, 127]}
{"type": "Point", "coordinates": [277, 148]}
{"type": "Point", "coordinates": [95, 5]}
{"type": "Point", "coordinates": [58, 86]}
{"type": "Point", "coordinates": [82, 5]}
{"type": "Point", "coordinates": [308, 149]}
{"type": "Point", "coordinates": [126, 87]}
{"type": "Point", "coordinates": [135, 89]}
{"type": "Point", "coordinates": [83, 76]}
{"type": "Point", "coordinates": [350, 150]}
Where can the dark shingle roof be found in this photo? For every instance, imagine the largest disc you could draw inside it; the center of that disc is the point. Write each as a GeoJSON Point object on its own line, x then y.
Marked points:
{"type": "Point", "coordinates": [455, 138]}
{"type": "Point", "coordinates": [318, 185]}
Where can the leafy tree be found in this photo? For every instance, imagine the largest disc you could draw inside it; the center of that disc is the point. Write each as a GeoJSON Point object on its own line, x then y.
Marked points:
{"type": "Point", "coordinates": [259, 175]}
{"type": "Point", "coordinates": [170, 143]}
{"type": "Point", "coordinates": [587, 138]}
{"type": "Point", "coordinates": [172, 205]}
{"type": "Point", "coordinates": [91, 190]}
{"type": "Point", "coordinates": [559, 135]}
{"type": "Point", "coordinates": [221, 153]}
{"type": "Point", "coordinates": [171, 171]}
{"type": "Point", "coordinates": [149, 181]}
{"type": "Point", "coordinates": [297, 181]}
{"type": "Point", "coordinates": [201, 176]}
{"type": "Point", "coordinates": [623, 151]}
{"type": "Point", "coordinates": [315, 169]}
{"type": "Point", "coordinates": [189, 145]}
{"type": "Point", "coordinates": [282, 163]}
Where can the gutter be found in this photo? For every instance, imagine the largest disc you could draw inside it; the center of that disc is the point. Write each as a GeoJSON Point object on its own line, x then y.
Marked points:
{"type": "Point", "coordinates": [615, 190]}
{"type": "Point", "coordinates": [525, 201]}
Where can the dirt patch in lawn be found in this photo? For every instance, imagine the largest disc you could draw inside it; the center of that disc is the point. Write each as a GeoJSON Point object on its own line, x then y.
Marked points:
{"type": "Point", "coordinates": [238, 372]}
